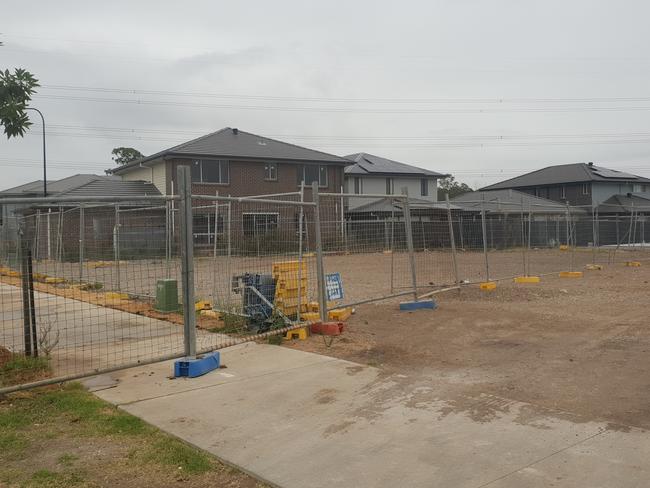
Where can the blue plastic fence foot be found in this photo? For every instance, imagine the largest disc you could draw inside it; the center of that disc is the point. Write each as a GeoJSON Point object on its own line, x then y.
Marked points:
{"type": "Point", "coordinates": [191, 368]}
{"type": "Point", "coordinates": [427, 304]}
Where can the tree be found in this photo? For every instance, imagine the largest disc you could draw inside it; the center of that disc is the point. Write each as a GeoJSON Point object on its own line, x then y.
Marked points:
{"type": "Point", "coordinates": [452, 187]}
{"type": "Point", "coordinates": [124, 155]}
{"type": "Point", "coordinates": [16, 90]}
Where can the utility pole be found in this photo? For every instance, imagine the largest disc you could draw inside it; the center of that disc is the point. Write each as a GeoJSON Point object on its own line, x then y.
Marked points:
{"type": "Point", "coordinates": [44, 156]}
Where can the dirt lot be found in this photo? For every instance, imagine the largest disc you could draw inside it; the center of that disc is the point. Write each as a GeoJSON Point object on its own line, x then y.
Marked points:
{"type": "Point", "coordinates": [572, 347]}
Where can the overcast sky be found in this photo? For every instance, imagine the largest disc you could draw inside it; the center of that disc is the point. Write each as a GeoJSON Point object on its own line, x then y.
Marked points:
{"type": "Point", "coordinates": [481, 89]}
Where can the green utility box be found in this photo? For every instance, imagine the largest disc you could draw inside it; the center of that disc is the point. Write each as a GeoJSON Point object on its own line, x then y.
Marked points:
{"type": "Point", "coordinates": [166, 296]}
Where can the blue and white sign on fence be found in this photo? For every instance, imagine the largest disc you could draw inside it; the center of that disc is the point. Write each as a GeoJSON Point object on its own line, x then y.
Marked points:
{"type": "Point", "coordinates": [334, 286]}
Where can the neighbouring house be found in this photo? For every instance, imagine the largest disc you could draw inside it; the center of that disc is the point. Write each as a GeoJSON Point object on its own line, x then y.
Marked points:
{"type": "Point", "coordinates": [577, 184]}
{"type": "Point", "coordinates": [374, 175]}
{"type": "Point", "coordinates": [627, 204]}
{"type": "Point", "coordinates": [505, 210]}
{"type": "Point", "coordinates": [239, 164]}
{"type": "Point", "coordinates": [53, 230]}
{"type": "Point", "coordinates": [380, 220]}
{"type": "Point", "coordinates": [624, 219]}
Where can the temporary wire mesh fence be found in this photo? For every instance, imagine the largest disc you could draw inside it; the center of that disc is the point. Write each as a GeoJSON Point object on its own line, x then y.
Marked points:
{"type": "Point", "coordinates": [93, 286]}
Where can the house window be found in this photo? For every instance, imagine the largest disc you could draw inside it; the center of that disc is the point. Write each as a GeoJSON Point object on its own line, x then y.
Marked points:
{"type": "Point", "coordinates": [424, 187]}
{"type": "Point", "coordinates": [389, 186]}
{"type": "Point", "coordinates": [636, 188]}
{"type": "Point", "coordinates": [271, 172]}
{"type": "Point", "coordinates": [211, 171]}
{"type": "Point", "coordinates": [312, 172]}
{"type": "Point", "coordinates": [585, 188]}
{"type": "Point", "coordinates": [203, 228]}
{"type": "Point", "coordinates": [259, 223]}
{"type": "Point", "coordinates": [563, 192]}
{"type": "Point", "coordinates": [358, 185]}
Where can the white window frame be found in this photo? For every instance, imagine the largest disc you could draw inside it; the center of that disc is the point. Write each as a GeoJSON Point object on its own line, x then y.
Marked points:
{"type": "Point", "coordinates": [277, 224]}
{"type": "Point", "coordinates": [270, 171]}
{"type": "Point", "coordinates": [424, 183]}
{"type": "Point", "coordinates": [390, 186]}
{"type": "Point", "coordinates": [563, 192]}
{"type": "Point", "coordinates": [585, 188]}
{"type": "Point", "coordinates": [357, 185]}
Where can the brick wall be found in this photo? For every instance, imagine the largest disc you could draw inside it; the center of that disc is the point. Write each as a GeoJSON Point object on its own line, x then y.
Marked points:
{"type": "Point", "coordinates": [247, 178]}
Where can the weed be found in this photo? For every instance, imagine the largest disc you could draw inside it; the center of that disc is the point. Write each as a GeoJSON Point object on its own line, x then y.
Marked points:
{"type": "Point", "coordinates": [23, 369]}
{"type": "Point", "coordinates": [47, 478]}
{"type": "Point", "coordinates": [48, 337]}
{"type": "Point", "coordinates": [67, 459]}
{"type": "Point", "coordinates": [12, 445]}
{"type": "Point", "coordinates": [275, 340]}
{"type": "Point", "coordinates": [175, 453]}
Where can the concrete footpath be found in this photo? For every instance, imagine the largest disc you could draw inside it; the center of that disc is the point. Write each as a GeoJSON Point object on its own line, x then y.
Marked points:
{"type": "Point", "coordinates": [300, 420]}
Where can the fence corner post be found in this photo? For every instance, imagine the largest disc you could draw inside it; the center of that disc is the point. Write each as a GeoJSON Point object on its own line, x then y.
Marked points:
{"type": "Point", "coordinates": [320, 268]}
{"type": "Point", "coordinates": [409, 240]}
{"type": "Point", "coordinates": [187, 260]}
{"type": "Point", "coordinates": [452, 239]}
{"type": "Point", "coordinates": [484, 232]}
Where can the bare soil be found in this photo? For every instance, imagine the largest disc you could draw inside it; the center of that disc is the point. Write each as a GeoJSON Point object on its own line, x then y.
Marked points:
{"type": "Point", "coordinates": [576, 347]}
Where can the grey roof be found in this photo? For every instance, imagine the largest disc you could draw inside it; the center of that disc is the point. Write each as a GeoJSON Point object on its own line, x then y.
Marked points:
{"type": "Point", "coordinates": [567, 173]}
{"type": "Point", "coordinates": [369, 164]}
{"type": "Point", "coordinates": [114, 187]}
{"type": "Point", "coordinates": [54, 186]}
{"type": "Point", "coordinates": [639, 202]}
{"type": "Point", "coordinates": [235, 143]}
{"type": "Point", "coordinates": [84, 185]}
{"type": "Point", "coordinates": [388, 205]}
{"type": "Point", "coordinates": [26, 188]}
{"type": "Point", "coordinates": [509, 201]}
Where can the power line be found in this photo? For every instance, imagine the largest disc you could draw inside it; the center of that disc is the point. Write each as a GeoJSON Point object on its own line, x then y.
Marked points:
{"type": "Point", "coordinates": [498, 100]}
{"type": "Point", "coordinates": [166, 103]}
{"type": "Point", "coordinates": [346, 144]}
{"type": "Point", "coordinates": [130, 130]}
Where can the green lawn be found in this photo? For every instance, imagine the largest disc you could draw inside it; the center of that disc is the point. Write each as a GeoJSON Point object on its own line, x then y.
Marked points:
{"type": "Point", "coordinates": [65, 436]}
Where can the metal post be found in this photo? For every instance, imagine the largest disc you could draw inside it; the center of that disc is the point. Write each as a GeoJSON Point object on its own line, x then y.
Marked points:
{"type": "Point", "coordinates": [392, 245]}
{"type": "Point", "coordinates": [460, 231]}
{"type": "Point", "coordinates": [37, 234]}
{"type": "Point", "coordinates": [229, 251]}
{"type": "Point", "coordinates": [593, 235]}
{"type": "Point", "coordinates": [523, 236]}
{"type": "Point", "coordinates": [214, 249]}
{"type": "Point", "coordinates": [530, 223]}
{"type": "Point", "coordinates": [409, 241]}
{"type": "Point", "coordinates": [32, 306]}
{"type": "Point", "coordinates": [82, 229]}
{"type": "Point", "coordinates": [116, 247]}
{"type": "Point", "coordinates": [27, 316]}
{"type": "Point", "coordinates": [570, 236]}
{"type": "Point", "coordinates": [343, 229]}
{"type": "Point", "coordinates": [320, 269]}
{"type": "Point", "coordinates": [485, 253]}
{"type": "Point", "coordinates": [301, 217]}
{"type": "Point", "coordinates": [452, 240]}
{"type": "Point", "coordinates": [187, 260]}
{"type": "Point", "coordinates": [49, 235]}
{"type": "Point", "coordinates": [168, 240]}
{"type": "Point", "coordinates": [629, 232]}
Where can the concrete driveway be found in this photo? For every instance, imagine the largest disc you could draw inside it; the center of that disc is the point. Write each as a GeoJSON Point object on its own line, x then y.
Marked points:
{"type": "Point", "coordinates": [297, 419]}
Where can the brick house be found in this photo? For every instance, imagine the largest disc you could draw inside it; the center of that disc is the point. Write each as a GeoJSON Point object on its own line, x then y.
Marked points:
{"type": "Point", "coordinates": [237, 163]}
